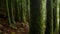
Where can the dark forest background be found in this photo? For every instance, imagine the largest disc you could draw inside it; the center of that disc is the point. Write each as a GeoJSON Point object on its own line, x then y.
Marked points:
{"type": "Point", "coordinates": [29, 16]}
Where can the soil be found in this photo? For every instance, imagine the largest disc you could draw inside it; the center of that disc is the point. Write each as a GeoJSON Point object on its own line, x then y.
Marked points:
{"type": "Point", "coordinates": [21, 28]}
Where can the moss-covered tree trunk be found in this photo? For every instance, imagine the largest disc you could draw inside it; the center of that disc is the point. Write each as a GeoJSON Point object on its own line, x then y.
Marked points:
{"type": "Point", "coordinates": [17, 10]}
{"type": "Point", "coordinates": [59, 16]}
{"type": "Point", "coordinates": [49, 20]}
{"type": "Point", "coordinates": [37, 16]}
{"type": "Point", "coordinates": [12, 12]}
{"type": "Point", "coordinates": [23, 10]}
{"type": "Point", "coordinates": [28, 10]}
{"type": "Point", "coordinates": [55, 23]}
{"type": "Point", "coordinates": [8, 15]}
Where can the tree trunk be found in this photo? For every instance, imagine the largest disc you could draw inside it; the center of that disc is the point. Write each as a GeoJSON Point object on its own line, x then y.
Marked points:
{"type": "Point", "coordinates": [37, 17]}
{"type": "Point", "coordinates": [12, 13]}
{"type": "Point", "coordinates": [55, 23]}
{"type": "Point", "coordinates": [8, 15]}
{"type": "Point", "coordinates": [23, 10]}
{"type": "Point", "coordinates": [17, 10]}
{"type": "Point", "coordinates": [59, 16]}
{"type": "Point", "coordinates": [49, 25]}
{"type": "Point", "coordinates": [28, 10]}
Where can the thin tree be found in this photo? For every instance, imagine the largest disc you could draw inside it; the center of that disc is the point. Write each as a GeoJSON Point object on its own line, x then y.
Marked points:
{"type": "Point", "coordinates": [49, 20]}
{"type": "Point", "coordinates": [23, 10]}
{"type": "Point", "coordinates": [55, 23]}
{"type": "Point", "coordinates": [28, 10]}
{"type": "Point", "coordinates": [10, 13]}
{"type": "Point", "coordinates": [59, 16]}
{"type": "Point", "coordinates": [17, 10]}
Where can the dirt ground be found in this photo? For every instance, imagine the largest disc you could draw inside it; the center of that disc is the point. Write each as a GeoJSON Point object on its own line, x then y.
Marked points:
{"type": "Point", "coordinates": [6, 29]}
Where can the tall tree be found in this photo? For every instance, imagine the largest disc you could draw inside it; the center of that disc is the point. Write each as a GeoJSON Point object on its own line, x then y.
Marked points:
{"type": "Point", "coordinates": [55, 23]}
{"type": "Point", "coordinates": [49, 20]}
{"type": "Point", "coordinates": [10, 13]}
{"type": "Point", "coordinates": [28, 10]}
{"type": "Point", "coordinates": [37, 16]}
{"type": "Point", "coordinates": [17, 10]}
{"type": "Point", "coordinates": [59, 15]}
{"type": "Point", "coordinates": [23, 10]}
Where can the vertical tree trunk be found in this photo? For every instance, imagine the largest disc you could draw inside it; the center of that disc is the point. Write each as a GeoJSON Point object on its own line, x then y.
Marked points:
{"type": "Point", "coordinates": [59, 16]}
{"type": "Point", "coordinates": [17, 10]}
{"type": "Point", "coordinates": [12, 13]}
{"type": "Point", "coordinates": [49, 25]}
{"type": "Point", "coordinates": [0, 4]}
{"type": "Point", "coordinates": [8, 15]}
{"type": "Point", "coordinates": [36, 17]}
{"type": "Point", "coordinates": [24, 9]}
{"type": "Point", "coordinates": [28, 10]}
{"type": "Point", "coordinates": [55, 23]}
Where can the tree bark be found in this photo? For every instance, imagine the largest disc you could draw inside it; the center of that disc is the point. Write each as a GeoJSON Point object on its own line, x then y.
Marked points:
{"type": "Point", "coordinates": [17, 10]}
{"type": "Point", "coordinates": [55, 23]}
{"type": "Point", "coordinates": [8, 15]}
{"type": "Point", "coordinates": [59, 16]}
{"type": "Point", "coordinates": [49, 20]}
{"type": "Point", "coordinates": [23, 10]}
{"type": "Point", "coordinates": [36, 17]}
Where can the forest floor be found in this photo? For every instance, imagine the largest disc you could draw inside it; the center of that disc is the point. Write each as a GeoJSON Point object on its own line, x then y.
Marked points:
{"type": "Point", "coordinates": [6, 29]}
{"type": "Point", "coordinates": [20, 29]}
